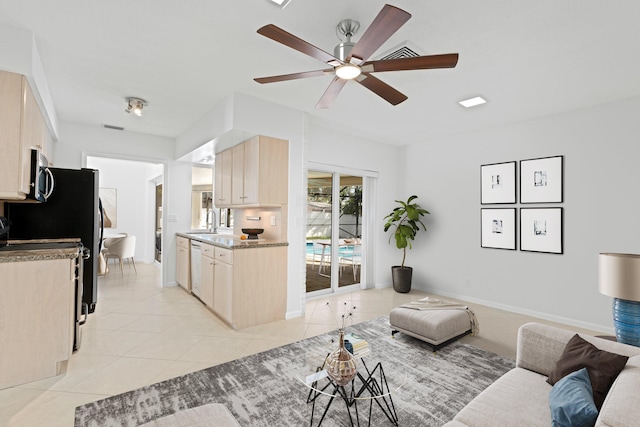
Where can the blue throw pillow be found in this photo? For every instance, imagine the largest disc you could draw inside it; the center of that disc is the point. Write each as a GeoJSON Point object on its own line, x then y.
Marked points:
{"type": "Point", "coordinates": [571, 401]}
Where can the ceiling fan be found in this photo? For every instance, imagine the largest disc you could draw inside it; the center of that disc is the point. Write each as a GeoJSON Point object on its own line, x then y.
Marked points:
{"type": "Point", "coordinates": [350, 60]}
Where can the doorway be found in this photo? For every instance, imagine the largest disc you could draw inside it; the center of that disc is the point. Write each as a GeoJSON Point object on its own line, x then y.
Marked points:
{"type": "Point", "coordinates": [334, 237]}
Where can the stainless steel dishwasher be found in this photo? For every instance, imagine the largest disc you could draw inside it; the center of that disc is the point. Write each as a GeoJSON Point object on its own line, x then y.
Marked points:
{"type": "Point", "coordinates": [196, 250]}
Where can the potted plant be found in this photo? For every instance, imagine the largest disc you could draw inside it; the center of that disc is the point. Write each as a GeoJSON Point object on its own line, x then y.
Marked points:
{"type": "Point", "coordinates": [406, 222]}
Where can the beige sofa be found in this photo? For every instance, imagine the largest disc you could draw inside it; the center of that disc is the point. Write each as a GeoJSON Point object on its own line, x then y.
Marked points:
{"type": "Point", "coordinates": [521, 396]}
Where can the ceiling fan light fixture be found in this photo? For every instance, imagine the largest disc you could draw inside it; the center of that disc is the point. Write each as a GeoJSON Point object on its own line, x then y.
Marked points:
{"type": "Point", "coordinates": [472, 102]}
{"type": "Point", "coordinates": [135, 105]}
{"type": "Point", "coordinates": [348, 71]}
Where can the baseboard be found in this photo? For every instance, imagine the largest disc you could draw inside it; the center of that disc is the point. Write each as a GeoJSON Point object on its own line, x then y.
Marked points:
{"type": "Point", "coordinates": [519, 310]}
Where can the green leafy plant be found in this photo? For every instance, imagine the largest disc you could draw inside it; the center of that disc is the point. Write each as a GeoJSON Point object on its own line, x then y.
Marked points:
{"type": "Point", "coordinates": [406, 220]}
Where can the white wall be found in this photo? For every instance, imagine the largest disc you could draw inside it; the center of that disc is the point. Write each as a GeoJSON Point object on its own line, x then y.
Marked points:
{"type": "Point", "coordinates": [600, 213]}
{"type": "Point", "coordinates": [135, 200]}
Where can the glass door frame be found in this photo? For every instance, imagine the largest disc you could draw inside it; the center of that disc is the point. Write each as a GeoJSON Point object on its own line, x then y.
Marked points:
{"type": "Point", "coordinates": [369, 179]}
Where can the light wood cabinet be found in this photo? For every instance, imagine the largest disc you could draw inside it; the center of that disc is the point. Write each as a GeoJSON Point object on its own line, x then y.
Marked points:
{"type": "Point", "coordinates": [183, 262]}
{"type": "Point", "coordinates": [23, 128]}
{"type": "Point", "coordinates": [222, 179]}
{"type": "Point", "coordinates": [237, 175]}
{"type": "Point", "coordinates": [259, 290]}
{"type": "Point", "coordinates": [223, 284]}
{"type": "Point", "coordinates": [207, 275]}
{"type": "Point", "coordinates": [37, 319]}
{"type": "Point", "coordinates": [258, 175]}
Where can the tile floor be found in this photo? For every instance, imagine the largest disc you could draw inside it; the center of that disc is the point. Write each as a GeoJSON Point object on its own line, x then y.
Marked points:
{"type": "Point", "coordinates": [141, 333]}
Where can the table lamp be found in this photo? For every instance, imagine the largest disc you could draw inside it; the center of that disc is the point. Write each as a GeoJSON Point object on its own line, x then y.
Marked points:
{"type": "Point", "coordinates": [619, 277]}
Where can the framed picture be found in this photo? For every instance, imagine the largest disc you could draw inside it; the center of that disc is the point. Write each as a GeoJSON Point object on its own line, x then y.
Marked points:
{"type": "Point", "coordinates": [109, 198]}
{"type": "Point", "coordinates": [541, 180]}
{"type": "Point", "coordinates": [541, 230]}
{"type": "Point", "coordinates": [498, 183]}
{"type": "Point", "coordinates": [498, 228]}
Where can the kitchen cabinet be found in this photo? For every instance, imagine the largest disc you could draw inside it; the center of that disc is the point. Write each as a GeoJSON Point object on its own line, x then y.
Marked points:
{"type": "Point", "coordinates": [223, 284]}
{"type": "Point", "coordinates": [23, 128]}
{"type": "Point", "coordinates": [258, 175]}
{"type": "Point", "coordinates": [37, 319]}
{"type": "Point", "coordinates": [259, 288]}
{"type": "Point", "coordinates": [206, 275]}
{"type": "Point", "coordinates": [222, 179]}
{"type": "Point", "coordinates": [243, 283]}
{"type": "Point", "coordinates": [183, 262]}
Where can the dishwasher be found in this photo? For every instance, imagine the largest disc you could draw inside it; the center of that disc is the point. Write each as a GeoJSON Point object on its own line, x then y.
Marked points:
{"type": "Point", "coordinates": [196, 260]}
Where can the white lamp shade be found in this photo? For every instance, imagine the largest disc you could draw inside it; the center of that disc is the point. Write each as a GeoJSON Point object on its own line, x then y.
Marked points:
{"type": "Point", "coordinates": [619, 275]}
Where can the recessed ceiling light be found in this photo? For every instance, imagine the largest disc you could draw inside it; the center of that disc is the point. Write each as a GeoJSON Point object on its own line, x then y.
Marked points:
{"type": "Point", "coordinates": [472, 102]}
{"type": "Point", "coordinates": [281, 3]}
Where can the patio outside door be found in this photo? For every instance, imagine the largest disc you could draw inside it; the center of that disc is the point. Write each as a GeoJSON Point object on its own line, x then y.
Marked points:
{"type": "Point", "coordinates": [334, 231]}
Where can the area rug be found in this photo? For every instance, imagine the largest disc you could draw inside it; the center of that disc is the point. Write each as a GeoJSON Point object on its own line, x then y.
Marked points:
{"type": "Point", "coordinates": [267, 389]}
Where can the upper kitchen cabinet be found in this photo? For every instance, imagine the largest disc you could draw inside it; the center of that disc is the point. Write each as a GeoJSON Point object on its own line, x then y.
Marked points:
{"type": "Point", "coordinates": [258, 175]}
{"type": "Point", "coordinates": [23, 128]}
{"type": "Point", "coordinates": [222, 181]}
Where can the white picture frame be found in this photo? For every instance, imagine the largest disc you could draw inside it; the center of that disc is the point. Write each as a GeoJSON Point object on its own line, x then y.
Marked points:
{"type": "Point", "coordinates": [541, 230]}
{"type": "Point", "coordinates": [498, 183]}
{"type": "Point", "coordinates": [498, 228]}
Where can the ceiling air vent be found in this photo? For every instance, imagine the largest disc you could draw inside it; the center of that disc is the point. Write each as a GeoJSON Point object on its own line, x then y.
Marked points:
{"type": "Point", "coordinates": [113, 127]}
{"type": "Point", "coordinates": [403, 50]}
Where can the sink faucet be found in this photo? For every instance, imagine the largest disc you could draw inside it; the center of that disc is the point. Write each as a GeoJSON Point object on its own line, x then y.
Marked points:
{"type": "Point", "coordinates": [212, 226]}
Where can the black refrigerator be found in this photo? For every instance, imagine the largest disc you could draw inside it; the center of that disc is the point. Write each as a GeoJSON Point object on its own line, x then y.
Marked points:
{"type": "Point", "coordinates": [72, 210]}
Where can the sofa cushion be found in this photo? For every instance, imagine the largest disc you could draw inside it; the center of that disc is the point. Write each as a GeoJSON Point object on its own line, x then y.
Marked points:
{"type": "Point", "coordinates": [603, 366]}
{"type": "Point", "coordinates": [571, 401]}
{"type": "Point", "coordinates": [621, 408]}
{"type": "Point", "coordinates": [518, 398]}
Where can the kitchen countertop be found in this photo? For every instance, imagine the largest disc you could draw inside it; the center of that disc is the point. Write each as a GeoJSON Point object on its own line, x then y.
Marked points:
{"type": "Point", "coordinates": [36, 250]}
{"type": "Point", "coordinates": [230, 241]}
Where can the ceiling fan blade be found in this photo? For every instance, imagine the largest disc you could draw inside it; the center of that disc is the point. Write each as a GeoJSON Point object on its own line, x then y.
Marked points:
{"type": "Point", "coordinates": [388, 21]}
{"type": "Point", "coordinates": [331, 93]}
{"type": "Point", "coordinates": [288, 39]}
{"type": "Point", "coordinates": [380, 88]}
{"type": "Point", "coordinates": [293, 76]}
{"type": "Point", "coordinates": [448, 60]}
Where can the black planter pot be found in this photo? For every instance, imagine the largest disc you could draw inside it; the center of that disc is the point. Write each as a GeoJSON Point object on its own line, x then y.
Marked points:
{"type": "Point", "coordinates": [401, 278]}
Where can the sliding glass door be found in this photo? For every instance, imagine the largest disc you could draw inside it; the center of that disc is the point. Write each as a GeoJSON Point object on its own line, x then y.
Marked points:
{"type": "Point", "coordinates": [334, 231]}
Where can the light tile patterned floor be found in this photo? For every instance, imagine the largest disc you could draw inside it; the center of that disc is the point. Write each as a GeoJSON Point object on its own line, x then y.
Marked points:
{"type": "Point", "coordinates": [141, 333]}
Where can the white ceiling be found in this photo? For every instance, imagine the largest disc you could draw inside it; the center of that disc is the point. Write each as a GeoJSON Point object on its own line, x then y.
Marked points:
{"type": "Point", "coordinates": [527, 58]}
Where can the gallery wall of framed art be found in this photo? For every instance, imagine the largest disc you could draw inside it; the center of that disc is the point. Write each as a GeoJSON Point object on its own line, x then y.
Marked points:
{"type": "Point", "coordinates": [540, 228]}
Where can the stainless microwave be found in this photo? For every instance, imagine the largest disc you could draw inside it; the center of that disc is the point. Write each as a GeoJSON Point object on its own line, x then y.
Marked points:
{"type": "Point", "coordinates": [41, 179]}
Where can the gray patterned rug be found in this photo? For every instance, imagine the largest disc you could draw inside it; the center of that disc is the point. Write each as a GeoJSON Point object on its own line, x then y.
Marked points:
{"type": "Point", "coordinates": [266, 389]}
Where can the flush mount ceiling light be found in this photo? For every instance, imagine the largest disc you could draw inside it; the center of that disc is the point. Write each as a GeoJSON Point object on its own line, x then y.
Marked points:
{"type": "Point", "coordinates": [472, 102]}
{"type": "Point", "coordinates": [280, 3]}
{"type": "Point", "coordinates": [135, 105]}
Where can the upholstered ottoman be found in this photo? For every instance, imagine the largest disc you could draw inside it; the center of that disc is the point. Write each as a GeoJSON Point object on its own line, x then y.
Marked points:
{"type": "Point", "coordinates": [436, 327]}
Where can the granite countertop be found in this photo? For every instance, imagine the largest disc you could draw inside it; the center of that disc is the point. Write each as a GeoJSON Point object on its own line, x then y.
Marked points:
{"type": "Point", "coordinates": [36, 250]}
{"type": "Point", "coordinates": [230, 241]}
